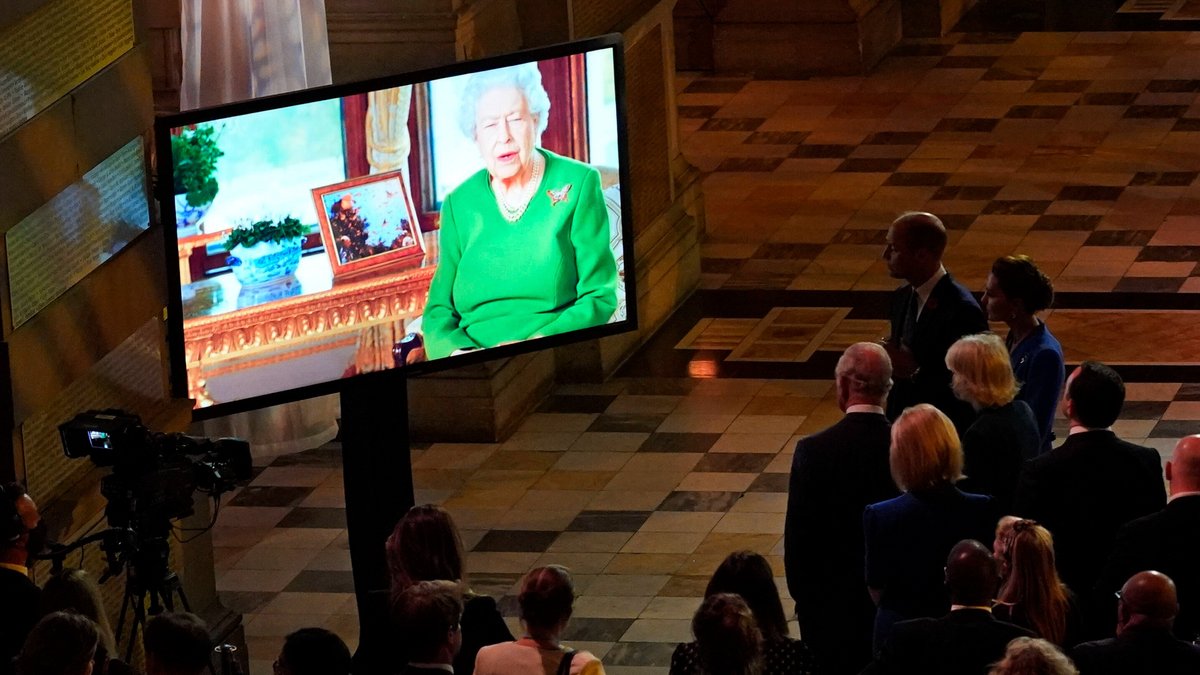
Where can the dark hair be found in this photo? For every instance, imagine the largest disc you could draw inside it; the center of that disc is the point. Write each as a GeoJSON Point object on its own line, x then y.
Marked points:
{"type": "Point", "coordinates": [314, 651]}
{"type": "Point", "coordinates": [62, 643]}
{"type": "Point", "coordinates": [547, 597]}
{"type": "Point", "coordinates": [11, 524]}
{"type": "Point", "coordinates": [1096, 394]}
{"type": "Point", "coordinates": [74, 590]}
{"type": "Point", "coordinates": [178, 641]}
{"type": "Point", "coordinates": [1020, 279]}
{"type": "Point", "coordinates": [424, 546]}
{"type": "Point", "coordinates": [971, 573]}
{"type": "Point", "coordinates": [749, 575]}
{"type": "Point", "coordinates": [727, 636]}
{"type": "Point", "coordinates": [427, 611]}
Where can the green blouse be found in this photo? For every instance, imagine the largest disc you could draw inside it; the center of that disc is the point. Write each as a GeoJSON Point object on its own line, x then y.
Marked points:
{"type": "Point", "coordinates": [550, 272]}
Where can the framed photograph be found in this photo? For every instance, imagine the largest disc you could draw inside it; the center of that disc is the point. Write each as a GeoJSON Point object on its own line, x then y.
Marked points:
{"type": "Point", "coordinates": [369, 224]}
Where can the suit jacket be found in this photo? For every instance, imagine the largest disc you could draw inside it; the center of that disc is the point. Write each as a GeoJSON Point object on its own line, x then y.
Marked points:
{"type": "Point", "coordinates": [1167, 541]}
{"type": "Point", "coordinates": [18, 616]}
{"type": "Point", "coordinates": [994, 447]}
{"type": "Point", "coordinates": [836, 473]}
{"type": "Point", "coordinates": [414, 670]}
{"type": "Point", "coordinates": [1037, 363]}
{"type": "Point", "coordinates": [964, 642]}
{"type": "Point", "coordinates": [950, 313]}
{"type": "Point", "coordinates": [1083, 492]}
{"type": "Point", "coordinates": [1137, 652]}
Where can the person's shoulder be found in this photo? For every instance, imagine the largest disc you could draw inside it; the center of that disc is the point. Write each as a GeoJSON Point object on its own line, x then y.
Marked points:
{"type": "Point", "coordinates": [586, 663]}
{"type": "Point", "coordinates": [1093, 648]}
{"type": "Point", "coordinates": [475, 187]}
{"type": "Point", "coordinates": [951, 289]}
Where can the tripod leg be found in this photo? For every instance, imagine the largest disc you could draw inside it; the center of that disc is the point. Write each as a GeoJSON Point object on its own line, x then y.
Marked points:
{"type": "Point", "coordinates": [139, 619]}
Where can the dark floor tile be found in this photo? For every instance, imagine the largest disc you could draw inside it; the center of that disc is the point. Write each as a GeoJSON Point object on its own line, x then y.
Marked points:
{"type": "Point", "coordinates": [1060, 86]}
{"type": "Point", "coordinates": [1016, 207]}
{"type": "Point", "coordinates": [785, 251]}
{"type": "Point", "coordinates": [524, 541]}
{"type": "Point", "coordinates": [635, 422]}
{"type": "Point", "coordinates": [1155, 112]}
{"type": "Point", "coordinates": [1144, 410]}
{"type": "Point", "coordinates": [715, 86]}
{"type": "Point", "coordinates": [776, 138]}
{"type": "Point", "coordinates": [698, 112]}
{"type": "Point", "coordinates": [699, 501]}
{"type": "Point", "coordinates": [958, 221]}
{"type": "Point", "coordinates": [989, 38]}
{"type": "Point", "coordinates": [1149, 284]}
{"type": "Point", "coordinates": [967, 125]}
{"type": "Point", "coordinates": [660, 386]}
{"type": "Point", "coordinates": [917, 179]}
{"type": "Point", "coordinates": [643, 654]}
{"type": "Point", "coordinates": [1119, 238]}
{"type": "Point", "coordinates": [1090, 193]}
{"type": "Point", "coordinates": [1175, 428]}
{"type": "Point", "coordinates": [1188, 392]}
{"type": "Point", "coordinates": [326, 518]}
{"type": "Point", "coordinates": [608, 521]}
{"type": "Point", "coordinates": [507, 605]}
{"type": "Point", "coordinates": [732, 124]}
{"type": "Point", "coordinates": [822, 151]}
{"type": "Point", "coordinates": [270, 495]}
{"type": "Point", "coordinates": [1164, 178]}
{"type": "Point", "coordinates": [896, 138]}
{"type": "Point", "coordinates": [921, 49]}
{"type": "Point", "coordinates": [1173, 86]}
{"type": "Point", "coordinates": [720, 265]}
{"type": "Point", "coordinates": [967, 192]}
{"type": "Point", "coordinates": [584, 403]}
{"type": "Point", "coordinates": [495, 584]}
{"type": "Point", "coordinates": [980, 62]}
{"type": "Point", "coordinates": [734, 462]}
{"type": "Point", "coordinates": [1037, 112]}
{"type": "Point", "coordinates": [769, 482]}
{"type": "Point", "coordinates": [679, 442]}
{"type": "Point", "coordinates": [1169, 254]}
{"type": "Point", "coordinates": [757, 164]}
{"type": "Point", "coordinates": [869, 165]}
{"type": "Point", "coordinates": [1066, 223]}
{"type": "Point", "coordinates": [245, 602]}
{"type": "Point", "coordinates": [1110, 98]}
{"type": "Point", "coordinates": [323, 456]}
{"type": "Point", "coordinates": [1186, 124]}
{"type": "Point", "coordinates": [596, 630]}
{"type": "Point", "coordinates": [321, 581]}
{"type": "Point", "coordinates": [1012, 73]}
{"type": "Point", "coordinates": [873, 237]}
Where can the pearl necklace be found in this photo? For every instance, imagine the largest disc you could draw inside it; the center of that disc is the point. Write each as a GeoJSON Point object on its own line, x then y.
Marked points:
{"type": "Point", "coordinates": [513, 213]}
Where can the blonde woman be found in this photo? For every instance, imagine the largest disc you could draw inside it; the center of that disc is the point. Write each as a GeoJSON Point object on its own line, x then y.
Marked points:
{"type": "Point", "coordinates": [1004, 433]}
{"type": "Point", "coordinates": [908, 538]}
{"type": "Point", "coordinates": [1033, 656]}
{"type": "Point", "coordinates": [1032, 596]}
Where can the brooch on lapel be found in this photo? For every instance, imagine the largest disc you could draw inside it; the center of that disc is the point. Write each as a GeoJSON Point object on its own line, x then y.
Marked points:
{"type": "Point", "coordinates": [559, 195]}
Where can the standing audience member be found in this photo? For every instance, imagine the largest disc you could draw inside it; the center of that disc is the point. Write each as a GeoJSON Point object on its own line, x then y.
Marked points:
{"type": "Point", "coordinates": [1033, 656]}
{"type": "Point", "coordinates": [748, 575]}
{"type": "Point", "coordinates": [22, 534]}
{"type": "Point", "coordinates": [546, 600]}
{"type": "Point", "coordinates": [429, 614]}
{"type": "Point", "coordinates": [313, 651]}
{"type": "Point", "coordinates": [1084, 490]}
{"type": "Point", "coordinates": [1004, 433]}
{"type": "Point", "coordinates": [62, 643]}
{"type": "Point", "coordinates": [928, 314]}
{"type": "Point", "coordinates": [728, 641]}
{"type": "Point", "coordinates": [836, 473]}
{"type": "Point", "coordinates": [1004, 530]}
{"type": "Point", "coordinates": [1144, 644]}
{"type": "Point", "coordinates": [1016, 291]}
{"type": "Point", "coordinates": [964, 642]}
{"type": "Point", "coordinates": [177, 643]}
{"type": "Point", "coordinates": [907, 538]}
{"type": "Point", "coordinates": [1167, 541]}
{"type": "Point", "coordinates": [74, 590]}
{"type": "Point", "coordinates": [1031, 594]}
{"type": "Point", "coordinates": [426, 546]}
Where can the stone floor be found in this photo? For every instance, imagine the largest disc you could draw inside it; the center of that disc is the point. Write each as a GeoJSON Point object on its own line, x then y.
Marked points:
{"type": "Point", "coordinates": [1082, 150]}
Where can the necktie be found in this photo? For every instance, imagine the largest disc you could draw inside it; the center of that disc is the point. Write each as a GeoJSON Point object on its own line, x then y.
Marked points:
{"type": "Point", "coordinates": [910, 321]}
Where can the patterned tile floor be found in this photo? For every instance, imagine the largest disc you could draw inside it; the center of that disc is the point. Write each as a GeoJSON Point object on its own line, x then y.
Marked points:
{"type": "Point", "coordinates": [1082, 150]}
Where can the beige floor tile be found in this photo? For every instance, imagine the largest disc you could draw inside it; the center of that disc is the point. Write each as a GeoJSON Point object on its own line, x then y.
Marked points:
{"type": "Point", "coordinates": [537, 519]}
{"type": "Point", "coordinates": [627, 584]}
{"type": "Point", "coordinates": [614, 498]}
{"type": "Point", "coordinates": [659, 630]}
{"type": "Point", "coordinates": [326, 604]}
{"type": "Point", "coordinates": [646, 563]}
{"type": "Point", "coordinates": [609, 441]}
{"type": "Point", "coordinates": [707, 481]}
{"type": "Point", "coordinates": [696, 423]}
{"type": "Point", "coordinates": [299, 537]}
{"type": "Point", "coordinates": [672, 521]}
{"type": "Point", "coordinates": [540, 441]}
{"type": "Point", "coordinates": [1150, 391]}
{"type": "Point", "coordinates": [610, 606]}
{"type": "Point", "coordinates": [574, 480]}
{"type": "Point", "coordinates": [558, 422]}
{"type": "Point", "coordinates": [1134, 428]}
{"type": "Point", "coordinates": [761, 502]}
{"type": "Point", "coordinates": [325, 498]}
{"type": "Point", "coordinates": [578, 563]}
{"type": "Point", "coordinates": [563, 500]}
{"type": "Point", "coordinates": [592, 461]}
{"type": "Point", "coordinates": [280, 625]}
{"type": "Point", "coordinates": [1182, 410]}
{"type": "Point", "coordinates": [269, 581]}
{"type": "Point", "coordinates": [253, 516]}
{"type": "Point", "coordinates": [643, 404]}
{"type": "Point", "coordinates": [292, 476]}
{"type": "Point", "coordinates": [479, 562]}
{"type": "Point", "coordinates": [455, 456]}
{"type": "Point", "coordinates": [268, 557]}
{"type": "Point", "coordinates": [768, 443]}
{"type": "Point", "coordinates": [590, 542]}
{"type": "Point", "coordinates": [769, 424]}
{"type": "Point", "coordinates": [663, 542]}
{"type": "Point", "coordinates": [671, 608]}
{"type": "Point", "coordinates": [724, 543]}
{"type": "Point", "coordinates": [753, 523]}
{"type": "Point", "coordinates": [330, 559]}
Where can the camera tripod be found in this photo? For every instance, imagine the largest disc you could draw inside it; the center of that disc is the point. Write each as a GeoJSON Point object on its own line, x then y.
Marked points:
{"type": "Point", "coordinates": [147, 577]}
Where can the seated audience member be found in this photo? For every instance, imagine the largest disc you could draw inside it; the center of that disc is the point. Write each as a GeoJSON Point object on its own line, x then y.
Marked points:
{"type": "Point", "coordinates": [748, 575]}
{"type": "Point", "coordinates": [1144, 644]}
{"type": "Point", "coordinates": [22, 534]}
{"type": "Point", "coordinates": [964, 642]}
{"type": "Point", "coordinates": [835, 474]}
{"type": "Point", "coordinates": [177, 643]}
{"type": "Point", "coordinates": [1033, 656]}
{"type": "Point", "coordinates": [728, 640]}
{"type": "Point", "coordinates": [426, 546]}
{"type": "Point", "coordinates": [74, 590]}
{"type": "Point", "coordinates": [1084, 490]}
{"type": "Point", "coordinates": [62, 643]}
{"type": "Point", "coordinates": [546, 600]}
{"type": "Point", "coordinates": [1031, 594]}
{"type": "Point", "coordinates": [314, 651]}
{"type": "Point", "coordinates": [429, 613]}
{"type": "Point", "coordinates": [907, 538]}
{"type": "Point", "coordinates": [1015, 292]}
{"type": "Point", "coordinates": [1004, 433]}
{"type": "Point", "coordinates": [1167, 541]}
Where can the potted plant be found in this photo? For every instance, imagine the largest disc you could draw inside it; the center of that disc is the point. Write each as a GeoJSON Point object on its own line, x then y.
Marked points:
{"type": "Point", "coordinates": [265, 250]}
{"type": "Point", "coordinates": [194, 153]}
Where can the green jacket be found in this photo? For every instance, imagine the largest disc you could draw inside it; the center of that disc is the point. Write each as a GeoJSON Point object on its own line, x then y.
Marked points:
{"type": "Point", "coordinates": [550, 272]}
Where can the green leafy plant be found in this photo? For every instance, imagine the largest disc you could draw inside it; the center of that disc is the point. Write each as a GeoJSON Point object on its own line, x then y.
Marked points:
{"type": "Point", "coordinates": [265, 230]}
{"type": "Point", "coordinates": [195, 154]}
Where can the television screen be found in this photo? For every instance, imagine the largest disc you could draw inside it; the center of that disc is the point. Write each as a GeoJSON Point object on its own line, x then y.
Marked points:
{"type": "Point", "coordinates": [402, 224]}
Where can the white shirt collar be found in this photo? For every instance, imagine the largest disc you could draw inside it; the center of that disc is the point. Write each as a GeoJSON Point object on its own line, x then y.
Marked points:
{"type": "Point", "coordinates": [433, 666]}
{"type": "Point", "coordinates": [864, 408]}
{"type": "Point", "coordinates": [1079, 429]}
{"type": "Point", "coordinates": [1179, 495]}
{"type": "Point", "coordinates": [925, 289]}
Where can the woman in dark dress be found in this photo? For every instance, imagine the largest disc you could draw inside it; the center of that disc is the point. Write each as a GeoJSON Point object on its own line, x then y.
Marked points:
{"type": "Point", "coordinates": [426, 546]}
{"type": "Point", "coordinates": [1031, 595]}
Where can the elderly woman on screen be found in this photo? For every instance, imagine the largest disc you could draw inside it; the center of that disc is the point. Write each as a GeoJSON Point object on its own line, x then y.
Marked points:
{"type": "Point", "coordinates": [524, 242]}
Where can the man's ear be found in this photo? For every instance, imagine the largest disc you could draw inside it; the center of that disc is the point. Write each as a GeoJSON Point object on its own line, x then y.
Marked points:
{"type": "Point", "coordinates": [1167, 470]}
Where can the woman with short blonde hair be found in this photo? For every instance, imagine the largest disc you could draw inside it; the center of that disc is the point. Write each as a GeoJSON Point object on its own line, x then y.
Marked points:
{"type": "Point", "coordinates": [1033, 656]}
{"type": "Point", "coordinates": [1005, 432]}
{"type": "Point", "coordinates": [925, 449]}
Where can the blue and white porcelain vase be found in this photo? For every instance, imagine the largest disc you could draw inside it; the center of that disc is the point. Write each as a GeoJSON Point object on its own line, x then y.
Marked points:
{"type": "Point", "coordinates": [265, 261]}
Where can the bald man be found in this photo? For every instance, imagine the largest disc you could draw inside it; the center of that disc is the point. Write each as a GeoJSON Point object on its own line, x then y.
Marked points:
{"type": "Point", "coordinates": [1168, 541]}
{"type": "Point", "coordinates": [835, 474]}
{"type": "Point", "coordinates": [928, 314]}
{"type": "Point", "coordinates": [1144, 644]}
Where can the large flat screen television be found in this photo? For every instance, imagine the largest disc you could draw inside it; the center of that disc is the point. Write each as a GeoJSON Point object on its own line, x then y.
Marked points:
{"type": "Point", "coordinates": [396, 226]}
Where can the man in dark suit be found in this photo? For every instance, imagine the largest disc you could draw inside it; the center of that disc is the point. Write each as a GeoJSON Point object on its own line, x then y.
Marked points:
{"type": "Point", "coordinates": [835, 474]}
{"type": "Point", "coordinates": [1167, 541]}
{"type": "Point", "coordinates": [22, 534]}
{"type": "Point", "coordinates": [965, 641]}
{"type": "Point", "coordinates": [1144, 643]}
{"type": "Point", "coordinates": [928, 314]}
{"type": "Point", "coordinates": [1087, 488]}
{"type": "Point", "coordinates": [428, 614]}
{"type": "Point", "coordinates": [313, 651]}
